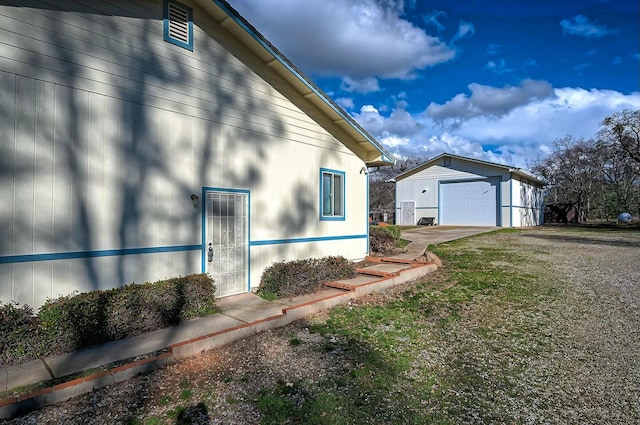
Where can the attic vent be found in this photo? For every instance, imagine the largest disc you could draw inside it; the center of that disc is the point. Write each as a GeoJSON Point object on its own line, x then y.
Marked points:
{"type": "Point", "coordinates": [178, 24]}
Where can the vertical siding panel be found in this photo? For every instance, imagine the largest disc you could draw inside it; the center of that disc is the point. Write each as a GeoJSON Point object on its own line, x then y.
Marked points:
{"type": "Point", "coordinates": [96, 169]}
{"type": "Point", "coordinates": [43, 219]}
{"type": "Point", "coordinates": [111, 174]}
{"type": "Point", "coordinates": [154, 212]}
{"type": "Point", "coordinates": [181, 158]}
{"type": "Point", "coordinates": [6, 284]}
{"type": "Point", "coordinates": [43, 282]}
{"type": "Point", "coordinates": [24, 187]}
{"type": "Point", "coordinates": [24, 165]}
{"type": "Point", "coordinates": [44, 169]}
{"type": "Point", "coordinates": [23, 289]}
{"type": "Point", "coordinates": [7, 162]}
{"type": "Point", "coordinates": [162, 122]}
{"type": "Point", "coordinates": [162, 126]}
{"type": "Point", "coordinates": [61, 189]}
{"type": "Point", "coordinates": [81, 232]}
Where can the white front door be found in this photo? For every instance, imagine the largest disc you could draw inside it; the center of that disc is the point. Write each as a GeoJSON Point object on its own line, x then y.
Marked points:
{"type": "Point", "coordinates": [407, 212]}
{"type": "Point", "coordinates": [227, 241]}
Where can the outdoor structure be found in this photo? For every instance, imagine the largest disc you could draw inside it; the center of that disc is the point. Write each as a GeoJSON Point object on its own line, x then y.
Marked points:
{"type": "Point", "coordinates": [153, 139]}
{"type": "Point", "coordinates": [561, 212]}
{"type": "Point", "coordinates": [457, 190]}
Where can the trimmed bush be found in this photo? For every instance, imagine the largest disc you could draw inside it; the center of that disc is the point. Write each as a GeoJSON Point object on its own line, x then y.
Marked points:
{"type": "Point", "coordinates": [68, 323]}
{"type": "Point", "coordinates": [20, 336]}
{"type": "Point", "coordinates": [293, 278]}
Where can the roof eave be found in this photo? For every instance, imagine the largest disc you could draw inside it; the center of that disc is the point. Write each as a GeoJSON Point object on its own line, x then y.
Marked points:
{"type": "Point", "coordinates": [368, 149]}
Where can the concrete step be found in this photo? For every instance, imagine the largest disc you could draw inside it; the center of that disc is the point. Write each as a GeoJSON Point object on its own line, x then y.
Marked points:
{"type": "Point", "coordinates": [383, 269]}
{"type": "Point", "coordinates": [352, 284]}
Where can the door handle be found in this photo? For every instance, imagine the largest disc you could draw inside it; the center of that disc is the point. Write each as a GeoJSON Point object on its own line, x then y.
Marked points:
{"type": "Point", "coordinates": [210, 252]}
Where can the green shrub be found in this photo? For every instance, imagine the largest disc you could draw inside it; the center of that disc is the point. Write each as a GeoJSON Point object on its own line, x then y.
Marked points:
{"type": "Point", "coordinates": [100, 316]}
{"type": "Point", "coordinates": [68, 323]}
{"type": "Point", "coordinates": [293, 278]}
{"type": "Point", "coordinates": [20, 336]}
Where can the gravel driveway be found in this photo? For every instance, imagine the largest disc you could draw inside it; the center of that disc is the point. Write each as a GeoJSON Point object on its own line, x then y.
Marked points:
{"type": "Point", "coordinates": [587, 371]}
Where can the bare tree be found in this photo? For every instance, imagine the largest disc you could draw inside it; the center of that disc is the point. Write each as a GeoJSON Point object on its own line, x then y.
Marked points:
{"type": "Point", "coordinates": [572, 173]}
{"type": "Point", "coordinates": [381, 190]}
{"type": "Point", "coordinates": [600, 177]}
{"type": "Point", "coordinates": [622, 129]}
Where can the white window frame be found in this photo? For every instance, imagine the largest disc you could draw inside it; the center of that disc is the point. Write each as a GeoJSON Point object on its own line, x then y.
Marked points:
{"type": "Point", "coordinates": [332, 195]}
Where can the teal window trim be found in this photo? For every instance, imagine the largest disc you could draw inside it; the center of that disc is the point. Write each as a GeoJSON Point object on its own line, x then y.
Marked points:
{"type": "Point", "coordinates": [332, 195]}
{"type": "Point", "coordinates": [188, 12]}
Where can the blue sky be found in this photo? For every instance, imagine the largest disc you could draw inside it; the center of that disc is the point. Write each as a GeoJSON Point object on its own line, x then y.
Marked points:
{"type": "Point", "coordinates": [497, 80]}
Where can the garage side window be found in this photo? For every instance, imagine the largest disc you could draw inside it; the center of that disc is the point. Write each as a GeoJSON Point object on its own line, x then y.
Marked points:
{"type": "Point", "coordinates": [331, 194]}
{"type": "Point", "coordinates": [178, 24]}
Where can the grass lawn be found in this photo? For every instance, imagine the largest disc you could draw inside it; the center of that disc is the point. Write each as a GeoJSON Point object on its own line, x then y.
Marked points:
{"type": "Point", "coordinates": [452, 346]}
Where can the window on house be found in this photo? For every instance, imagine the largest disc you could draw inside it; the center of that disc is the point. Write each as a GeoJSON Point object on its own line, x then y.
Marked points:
{"type": "Point", "coordinates": [331, 195]}
{"type": "Point", "coordinates": [178, 24]}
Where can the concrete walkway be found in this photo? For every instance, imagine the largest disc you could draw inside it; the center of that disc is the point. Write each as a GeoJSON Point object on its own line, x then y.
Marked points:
{"type": "Point", "coordinates": [422, 237]}
{"type": "Point", "coordinates": [241, 316]}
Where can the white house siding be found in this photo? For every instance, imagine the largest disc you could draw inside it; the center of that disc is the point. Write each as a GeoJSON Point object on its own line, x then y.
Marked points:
{"type": "Point", "coordinates": [106, 130]}
{"type": "Point", "coordinates": [528, 204]}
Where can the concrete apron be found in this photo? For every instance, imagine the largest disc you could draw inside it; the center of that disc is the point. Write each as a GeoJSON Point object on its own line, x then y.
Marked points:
{"type": "Point", "coordinates": [241, 317]}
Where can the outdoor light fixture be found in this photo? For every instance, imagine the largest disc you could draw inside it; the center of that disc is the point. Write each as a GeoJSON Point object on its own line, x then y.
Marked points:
{"type": "Point", "coordinates": [363, 170]}
{"type": "Point", "coordinates": [194, 199]}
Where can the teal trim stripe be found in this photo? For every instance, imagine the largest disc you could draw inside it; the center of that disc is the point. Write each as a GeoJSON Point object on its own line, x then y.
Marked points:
{"type": "Point", "coordinates": [27, 258]}
{"type": "Point", "coordinates": [303, 240]}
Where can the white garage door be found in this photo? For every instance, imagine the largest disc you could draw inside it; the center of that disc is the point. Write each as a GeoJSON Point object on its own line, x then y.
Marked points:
{"type": "Point", "coordinates": [470, 203]}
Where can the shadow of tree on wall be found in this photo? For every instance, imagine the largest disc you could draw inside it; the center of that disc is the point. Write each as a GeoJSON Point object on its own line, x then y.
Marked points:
{"type": "Point", "coordinates": [533, 204]}
{"type": "Point", "coordinates": [119, 105]}
{"type": "Point", "coordinates": [216, 121]}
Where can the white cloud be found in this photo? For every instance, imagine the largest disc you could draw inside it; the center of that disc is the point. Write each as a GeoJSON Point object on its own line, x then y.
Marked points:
{"type": "Point", "coordinates": [399, 123]}
{"type": "Point", "coordinates": [433, 18]}
{"type": "Point", "coordinates": [345, 102]}
{"type": "Point", "coordinates": [465, 30]}
{"type": "Point", "coordinates": [364, 85]}
{"type": "Point", "coordinates": [395, 141]}
{"type": "Point", "coordinates": [346, 38]}
{"type": "Point", "coordinates": [581, 26]}
{"type": "Point", "coordinates": [573, 111]}
{"type": "Point", "coordinates": [499, 67]}
{"type": "Point", "coordinates": [490, 101]}
{"type": "Point", "coordinates": [530, 121]}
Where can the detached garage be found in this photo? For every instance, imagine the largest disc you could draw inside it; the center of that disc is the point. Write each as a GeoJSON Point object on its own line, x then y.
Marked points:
{"type": "Point", "coordinates": [455, 190]}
